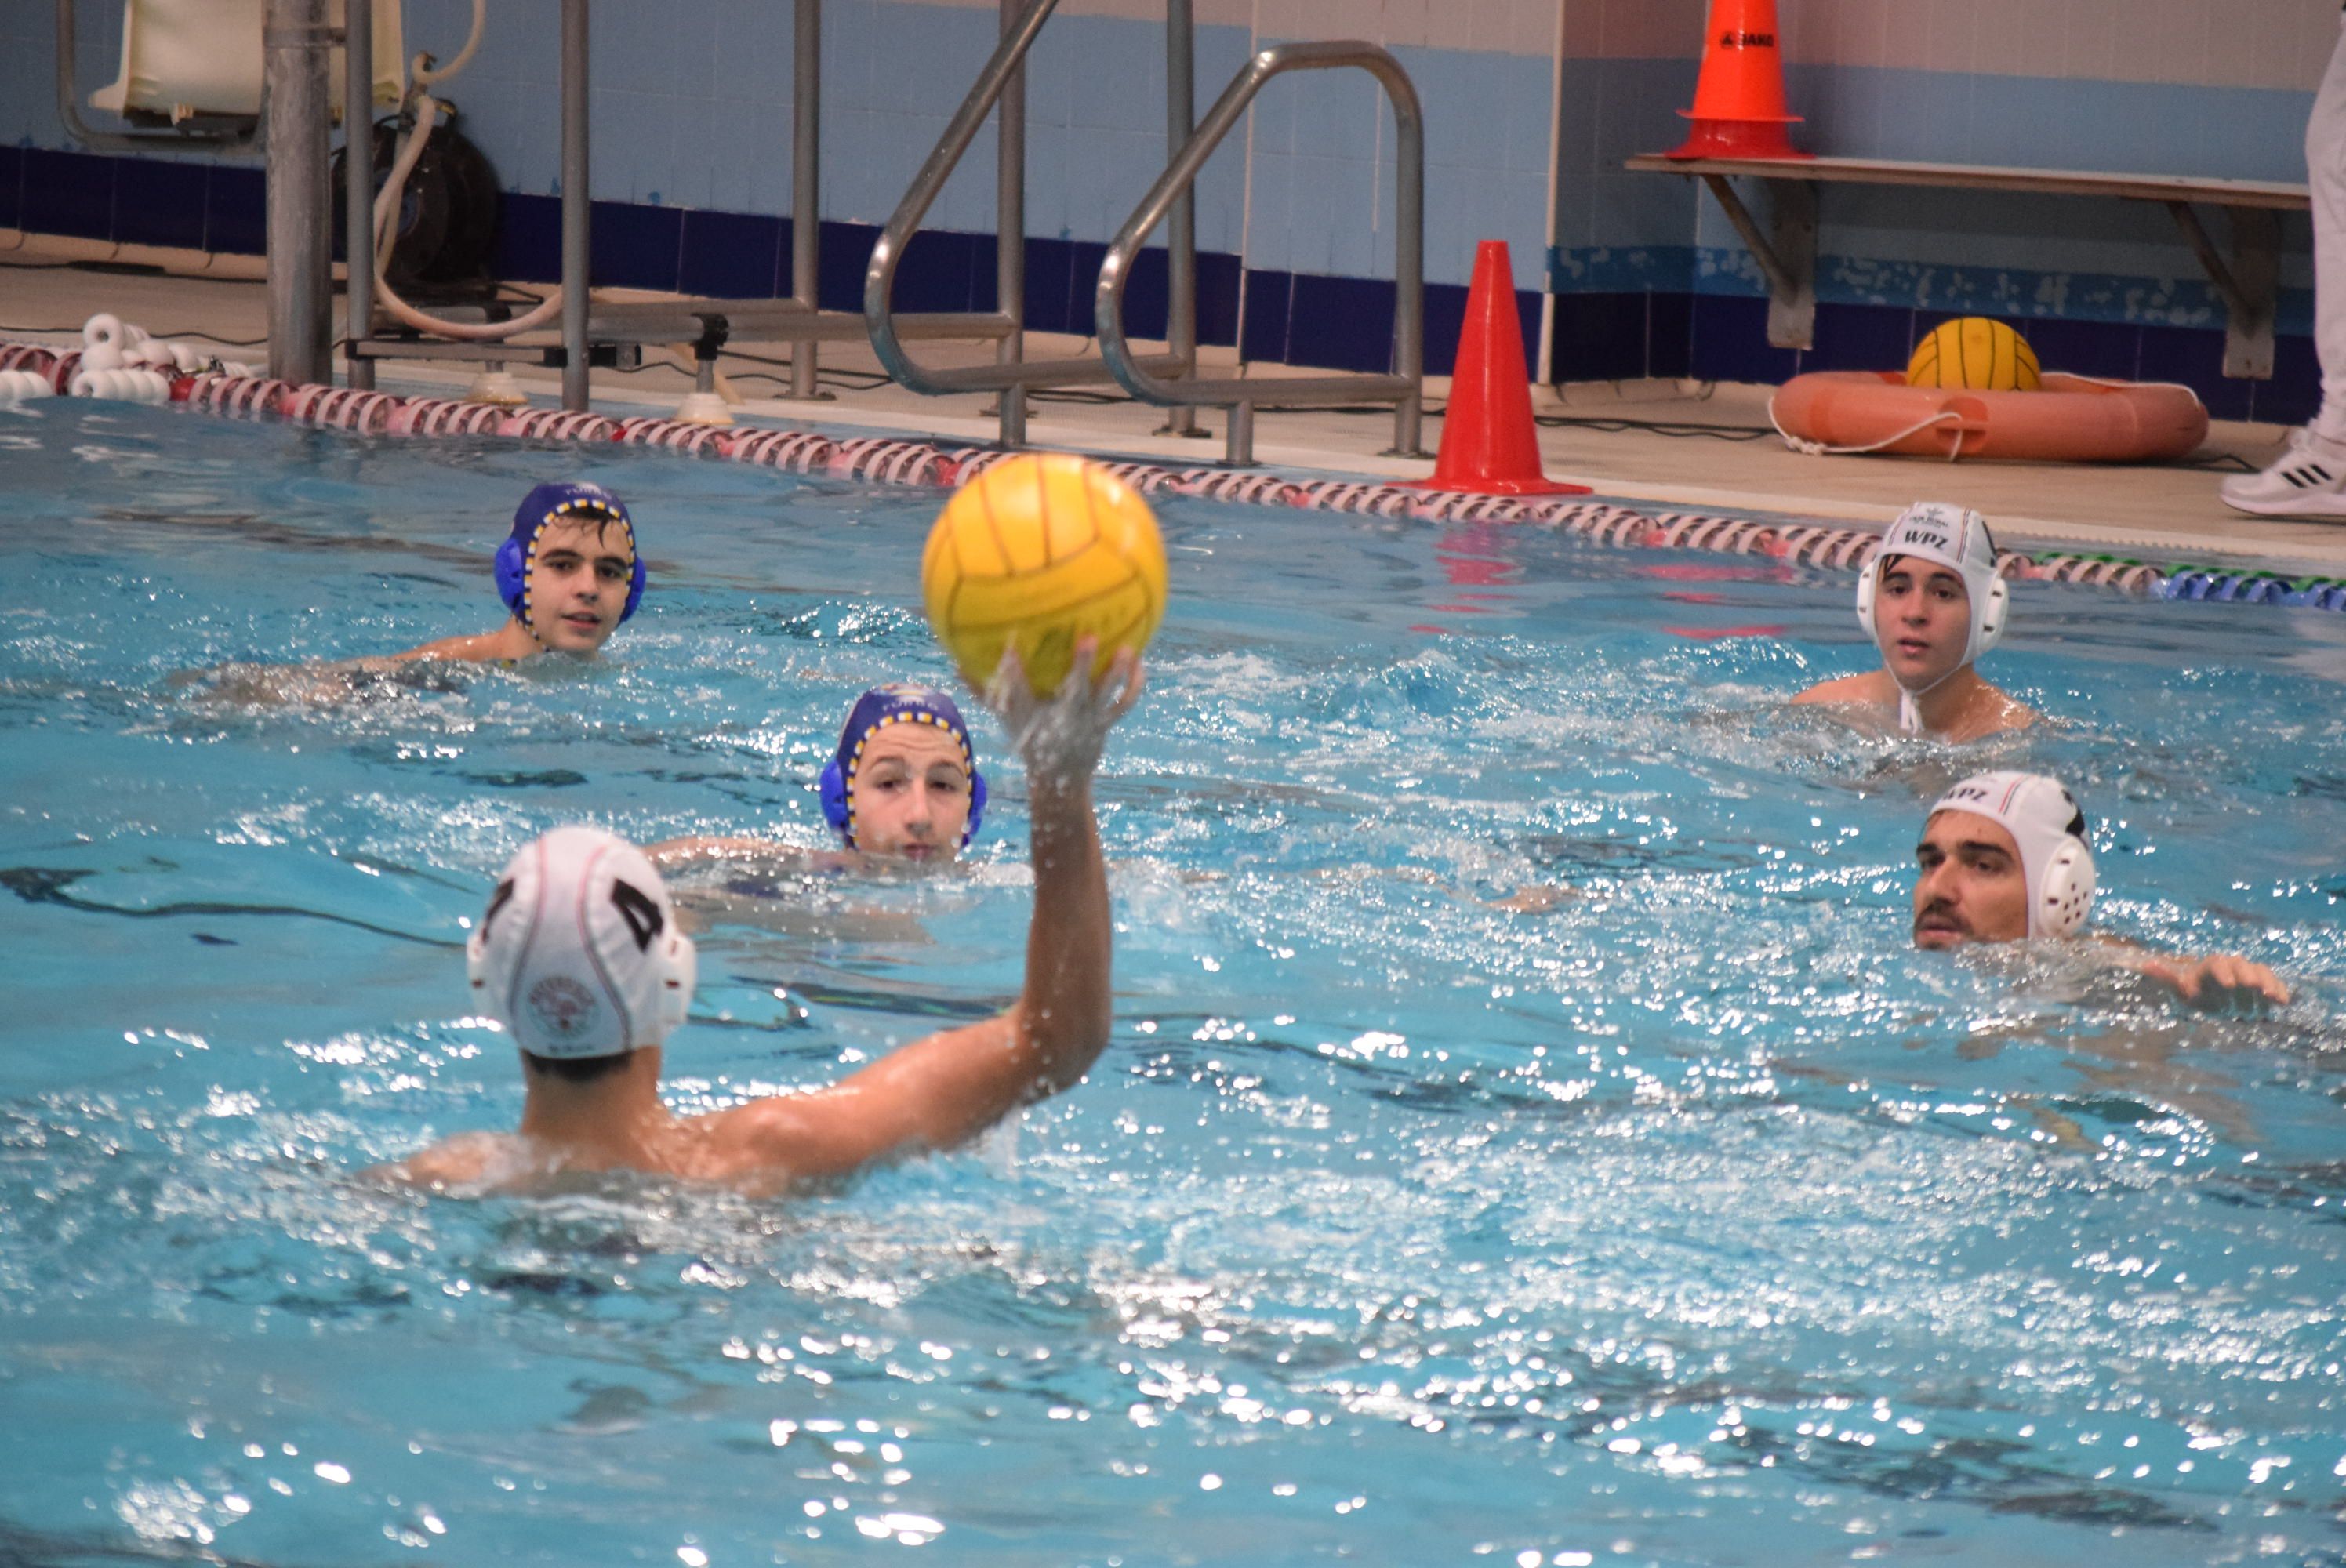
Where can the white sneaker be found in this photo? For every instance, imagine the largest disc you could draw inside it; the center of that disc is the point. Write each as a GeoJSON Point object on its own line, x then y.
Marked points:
{"type": "Point", "coordinates": [2308, 480]}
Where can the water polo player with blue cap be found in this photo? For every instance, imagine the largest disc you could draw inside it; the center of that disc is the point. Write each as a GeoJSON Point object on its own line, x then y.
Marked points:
{"type": "Point", "coordinates": [903, 785]}
{"type": "Point", "coordinates": [570, 572]}
{"type": "Point", "coordinates": [904, 780]}
{"type": "Point", "coordinates": [1933, 602]}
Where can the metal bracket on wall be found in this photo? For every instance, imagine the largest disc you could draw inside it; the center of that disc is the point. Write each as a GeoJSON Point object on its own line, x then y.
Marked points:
{"type": "Point", "coordinates": [2249, 286]}
{"type": "Point", "coordinates": [1788, 260]}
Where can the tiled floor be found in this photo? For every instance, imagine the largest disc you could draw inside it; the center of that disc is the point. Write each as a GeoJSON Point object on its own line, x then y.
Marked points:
{"type": "Point", "coordinates": [47, 288]}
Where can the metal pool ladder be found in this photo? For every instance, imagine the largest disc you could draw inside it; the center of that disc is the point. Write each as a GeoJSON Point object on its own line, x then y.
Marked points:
{"type": "Point", "coordinates": [1403, 388]}
{"type": "Point", "coordinates": [1003, 81]}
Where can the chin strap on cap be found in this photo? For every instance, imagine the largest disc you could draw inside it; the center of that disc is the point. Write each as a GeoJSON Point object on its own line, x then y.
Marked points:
{"type": "Point", "coordinates": [1956, 538]}
{"type": "Point", "coordinates": [2045, 822]}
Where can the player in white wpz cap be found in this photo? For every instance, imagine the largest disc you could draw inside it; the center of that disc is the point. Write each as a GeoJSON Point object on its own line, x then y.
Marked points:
{"type": "Point", "coordinates": [579, 957]}
{"type": "Point", "coordinates": [1933, 602]}
{"type": "Point", "coordinates": [2004, 856]}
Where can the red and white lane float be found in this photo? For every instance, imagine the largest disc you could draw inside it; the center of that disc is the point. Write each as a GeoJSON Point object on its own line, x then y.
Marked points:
{"type": "Point", "coordinates": [447, 417]}
{"type": "Point", "coordinates": [795, 451]}
{"type": "Point", "coordinates": [891, 461]}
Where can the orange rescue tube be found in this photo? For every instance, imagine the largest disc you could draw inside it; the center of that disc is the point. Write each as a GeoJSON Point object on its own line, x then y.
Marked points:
{"type": "Point", "coordinates": [2070, 419]}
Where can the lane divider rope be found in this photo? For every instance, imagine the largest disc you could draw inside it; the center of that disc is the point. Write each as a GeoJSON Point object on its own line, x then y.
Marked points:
{"type": "Point", "coordinates": [886, 459]}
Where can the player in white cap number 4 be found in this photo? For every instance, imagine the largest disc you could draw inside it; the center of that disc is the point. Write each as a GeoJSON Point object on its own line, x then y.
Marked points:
{"type": "Point", "coordinates": [579, 957]}
{"type": "Point", "coordinates": [2004, 856]}
{"type": "Point", "coordinates": [1933, 602]}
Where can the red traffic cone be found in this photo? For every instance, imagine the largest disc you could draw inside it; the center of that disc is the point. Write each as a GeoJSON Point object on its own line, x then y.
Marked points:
{"type": "Point", "coordinates": [1489, 446]}
{"type": "Point", "coordinates": [1738, 101]}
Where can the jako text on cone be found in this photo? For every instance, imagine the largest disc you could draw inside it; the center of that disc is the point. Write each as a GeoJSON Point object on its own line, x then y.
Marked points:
{"type": "Point", "coordinates": [1738, 103]}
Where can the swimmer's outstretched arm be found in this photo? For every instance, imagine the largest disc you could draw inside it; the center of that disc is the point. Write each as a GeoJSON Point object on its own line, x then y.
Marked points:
{"type": "Point", "coordinates": [949, 1087]}
{"type": "Point", "coordinates": [2215, 978]}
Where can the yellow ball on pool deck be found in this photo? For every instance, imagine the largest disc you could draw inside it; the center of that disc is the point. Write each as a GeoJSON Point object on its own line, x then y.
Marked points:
{"type": "Point", "coordinates": [1036, 551]}
{"type": "Point", "coordinates": [1976, 352]}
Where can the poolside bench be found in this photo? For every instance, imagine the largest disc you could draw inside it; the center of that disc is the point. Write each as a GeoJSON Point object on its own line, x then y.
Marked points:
{"type": "Point", "coordinates": [2246, 281]}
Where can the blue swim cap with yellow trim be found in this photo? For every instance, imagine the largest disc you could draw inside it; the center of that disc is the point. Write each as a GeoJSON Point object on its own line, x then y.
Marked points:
{"type": "Point", "coordinates": [875, 711]}
{"type": "Point", "coordinates": [570, 498]}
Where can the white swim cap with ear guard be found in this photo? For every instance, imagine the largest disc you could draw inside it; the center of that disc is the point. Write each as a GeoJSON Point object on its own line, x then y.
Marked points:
{"type": "Point", "coordinates": [1956, 538]}
{"type": "Point", "coordinates": [579, 954]}
{"type": "Point", "coordinates": [2043, 820]}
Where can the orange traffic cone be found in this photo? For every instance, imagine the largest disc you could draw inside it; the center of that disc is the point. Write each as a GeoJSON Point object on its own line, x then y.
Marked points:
{"type": "Point", "coordinates": [1738, 102]}
{"type": "Point", "coordinates": [1489, 446]}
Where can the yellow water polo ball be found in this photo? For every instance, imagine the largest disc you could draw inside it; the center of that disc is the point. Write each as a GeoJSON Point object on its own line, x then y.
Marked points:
{"type": "Point", "coordinates": [1035, 552]}
{"type": "Point", "coordinates": [1976, 352]}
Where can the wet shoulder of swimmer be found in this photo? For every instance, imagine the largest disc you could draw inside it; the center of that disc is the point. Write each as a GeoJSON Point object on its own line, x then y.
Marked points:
{"type": "Point", "coordinates": [2003, 857]}
{"type": "Point", "coordinates": [1933, 602]}
{"type": "Point", "coordinates": [578, 955]}
{"type": "Point", "coordinates": [902, 788]}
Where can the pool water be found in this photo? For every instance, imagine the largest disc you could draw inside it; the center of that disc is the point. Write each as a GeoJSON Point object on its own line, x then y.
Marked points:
{"type": "Point", "coordinates": [1696, 1220]}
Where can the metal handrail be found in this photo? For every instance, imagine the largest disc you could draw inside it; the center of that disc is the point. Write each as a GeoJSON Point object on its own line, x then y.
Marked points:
{"type": "Point", "coordinates": [1405, 387]}
{"type": "Point", "coordinates": [1002, 81]}
{"type": "Point", "coordinates": [69, 110]}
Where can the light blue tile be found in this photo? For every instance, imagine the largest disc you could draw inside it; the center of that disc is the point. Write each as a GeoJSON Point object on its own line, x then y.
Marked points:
{"type": "Point", "coordinates": [1360, 225]}
{"type": "Point", "coordinates": [1271, 213]}
{"type": "Point", "coordinates": [1448, 227]}
{"type": "Point", "coordinates": [1336, 112]}
{"type": "Point", "coordinates": [1274, 115]}
{"type": "Point", "coordinates": [1060, 58]}
{"type": "Point", "coordinates": [1530, 96]}
{"type": "Point", "coordinates": [633, 47]}
{"type": "Point", "coordinates": [853, 183]}
{"type": "Point", "coordinates": [751, 49]}
{"type": "Point", "coordinates": [1221, 198]}
{"type": "Point", "coordinates": [770, 178]}
{"type": "Point", "coordinates": [1929, 117]}
{"type": "Point", "coordinates": [1316, 212]}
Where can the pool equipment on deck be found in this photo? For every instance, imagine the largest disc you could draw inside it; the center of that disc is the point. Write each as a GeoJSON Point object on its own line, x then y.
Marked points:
{"type": "Point", "coordinates": [193, 68]}
{"type": "Point", "coordinates": [119, 361]}
{"type": "Point", "coordinates": [1490, 445]}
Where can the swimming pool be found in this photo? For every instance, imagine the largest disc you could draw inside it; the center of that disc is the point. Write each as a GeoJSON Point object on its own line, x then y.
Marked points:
{"type": "Point", "coordinates": [1698, 1221]}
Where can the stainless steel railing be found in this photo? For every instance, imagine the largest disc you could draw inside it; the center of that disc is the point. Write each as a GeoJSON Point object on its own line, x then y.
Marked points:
{"type": "Point", "coordinates": [1002, 86]}
{"type": "Point", "coordinates": [1403, 388]}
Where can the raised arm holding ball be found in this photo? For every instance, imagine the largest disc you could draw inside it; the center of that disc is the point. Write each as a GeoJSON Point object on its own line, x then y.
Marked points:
{"type": "Point", "coordinates": [1034, 555]}
{"type": "Point", "coordinates": [579, 957]}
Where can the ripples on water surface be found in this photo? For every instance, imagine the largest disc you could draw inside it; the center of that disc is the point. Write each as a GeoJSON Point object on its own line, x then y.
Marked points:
{"type": "Point", "coordinates": [1698, 1220]}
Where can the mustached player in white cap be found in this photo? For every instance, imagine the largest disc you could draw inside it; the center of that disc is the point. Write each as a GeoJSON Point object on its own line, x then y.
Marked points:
{"type": "Point", "coordinates": [1933, 603]}
{"type": "Point", "coordinates": [579, 957]}
{"type": "Point", "coordinates": [2004, 856]}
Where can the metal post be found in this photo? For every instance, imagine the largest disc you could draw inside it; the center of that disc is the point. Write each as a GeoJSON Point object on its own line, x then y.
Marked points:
{"type": "Point", "coordinates": [573, 205]}
{"type": "Point", "coordinates": [1409, 273]}
{"type": "Point", "coordinates": [300, 251]}
{"type": "Point", "coordinates": [1181, 225]}
{"type": "Point", "coordinates": [358, 187]}
{"type": "Point", "coordinates": [1009, 232]}
{"type": "Point", "coordinates": [806, 187]}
